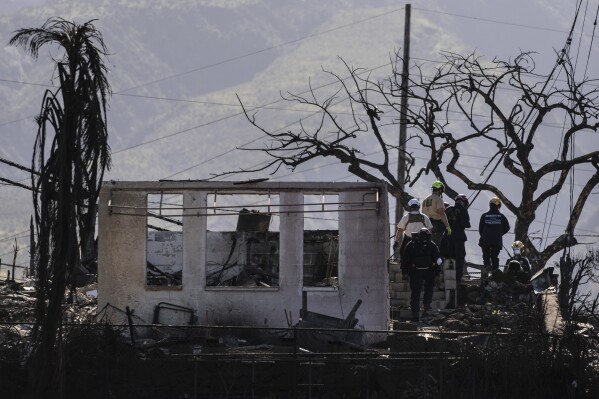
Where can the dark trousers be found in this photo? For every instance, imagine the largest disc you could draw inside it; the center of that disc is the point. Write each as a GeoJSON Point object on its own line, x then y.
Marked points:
{"type": "Point", "coordinates": [437, 232]}
{"type": "Point", "coordinates": [491, 256]}
{"type": "Point", "coordinates": [418, 278]}
{"type": "Point", "coordinates": [459, 253]}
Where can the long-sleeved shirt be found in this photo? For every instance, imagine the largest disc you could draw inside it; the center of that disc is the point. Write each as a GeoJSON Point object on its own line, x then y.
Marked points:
{"type": "Point", "coordinates": [492, 226]}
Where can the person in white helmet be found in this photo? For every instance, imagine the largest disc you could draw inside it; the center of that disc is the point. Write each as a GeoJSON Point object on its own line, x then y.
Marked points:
{"type": "Point", "coordinates": [412, 221]}
{"type": "Point", "coordinates": [422, 263]}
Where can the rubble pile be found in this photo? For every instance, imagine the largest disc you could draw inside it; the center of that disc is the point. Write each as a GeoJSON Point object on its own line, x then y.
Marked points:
{"type": "Point", "coordinates": [16, 322]}
{"type": "Point", "coordinates": [16, 306]}
{"type": "Point", "coordinates": [17, 310]}
{"type": "Point", "coordinates": [17, 315]}
{"type": "Point", "coordinates": [82, 308]}
{"type": "Point", "coordinates": [504, 302]}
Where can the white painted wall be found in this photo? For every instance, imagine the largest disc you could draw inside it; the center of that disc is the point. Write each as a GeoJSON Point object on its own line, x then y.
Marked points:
{"type": "Point", "coordinates": [363, 249]}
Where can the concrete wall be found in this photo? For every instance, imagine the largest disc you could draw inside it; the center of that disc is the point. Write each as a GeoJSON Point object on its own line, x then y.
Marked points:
{"type": "Point", "coordinates": [363, 249]}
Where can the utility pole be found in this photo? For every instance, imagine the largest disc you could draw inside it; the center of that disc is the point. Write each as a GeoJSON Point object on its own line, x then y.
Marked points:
{"type": "Point", "coordinates": [401, 162]}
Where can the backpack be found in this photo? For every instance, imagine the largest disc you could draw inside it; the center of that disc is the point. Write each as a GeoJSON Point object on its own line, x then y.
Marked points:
{"type": "Point", "coordinates": [421, 254]}
{"type": "Point", "coordinates": [514, 266]}
{"type": "Point", "coordinates": [415, 218]}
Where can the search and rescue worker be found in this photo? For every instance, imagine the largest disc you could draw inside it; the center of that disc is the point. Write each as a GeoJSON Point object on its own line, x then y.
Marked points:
{"type": "Point", "coordinates": [492, 226]}
{"type": "Point", "coordinates": [518, 262]}
{"type": "Point", "coordinates": [459, 221]}
{"type": "Point", "coordinates": [411, 221]}
{"type": "Point", "coordinates": [433, 207]}
{"type": "Point", "coordinates": [422, 263]}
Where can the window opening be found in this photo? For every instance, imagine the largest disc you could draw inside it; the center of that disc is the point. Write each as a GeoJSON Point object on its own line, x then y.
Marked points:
{"type": "Point", "coordinates": [164, 244]}
{"type": "Point", "coordinates": [321, 240]}
{"type": "Point", "coordinates": [242, 247]}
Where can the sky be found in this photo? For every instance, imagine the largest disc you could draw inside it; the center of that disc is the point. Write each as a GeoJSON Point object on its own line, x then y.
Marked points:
{"type": "Point", "coordinates": [491, 28]}
{"type": "Point", "coordinates": [11, 6]}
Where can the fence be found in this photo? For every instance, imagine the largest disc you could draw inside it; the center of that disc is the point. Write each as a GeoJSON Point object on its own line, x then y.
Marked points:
{"type": "Point", "coordinates": [158, 361]}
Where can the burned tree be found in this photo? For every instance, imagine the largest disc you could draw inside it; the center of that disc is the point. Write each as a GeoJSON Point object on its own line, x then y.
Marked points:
{"type": "Point", "coordinates": [70, 155]}
{"type": "Point", "coordinates": [577, 274]}
{"type": "Point", "coordinates": [519, 104]}
{"type": "Point", "coordinates": [464, 104]}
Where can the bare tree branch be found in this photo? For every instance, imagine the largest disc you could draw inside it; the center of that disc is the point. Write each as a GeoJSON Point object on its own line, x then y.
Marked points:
{"type": "Point", "coordinates": [504, 108]}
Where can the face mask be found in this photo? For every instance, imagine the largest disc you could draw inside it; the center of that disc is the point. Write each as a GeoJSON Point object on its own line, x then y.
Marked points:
{"type": "Point", "coordinates": [516, 251]}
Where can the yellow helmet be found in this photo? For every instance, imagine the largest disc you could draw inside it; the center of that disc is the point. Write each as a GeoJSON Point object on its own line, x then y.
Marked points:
{"type": "Point", "coordinates": [518, 244]}
{"type": "Point", "coordinates": [495, 201]}
{"type": "Point", "coordinates": [438, 186]}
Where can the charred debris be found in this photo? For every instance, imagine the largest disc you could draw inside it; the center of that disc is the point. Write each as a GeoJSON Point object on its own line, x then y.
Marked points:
{"type": "Point", "coordinates": [505, 319]}
{"type": "Point", "coordinates": [497, 331]}
{"type": "Point", "coordinates": [506, 304]}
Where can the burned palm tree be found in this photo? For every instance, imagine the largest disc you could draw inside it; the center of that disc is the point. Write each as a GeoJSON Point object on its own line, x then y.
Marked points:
{"type": "Point", "coordinates": [70, 156]}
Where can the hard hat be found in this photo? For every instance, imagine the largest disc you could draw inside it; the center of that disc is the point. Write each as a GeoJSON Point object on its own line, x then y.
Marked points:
{"type": "Point", "coordinates": [438, 186]}
{"type": "Point", "coordinates": [425, 233]}
{"type": "Point", "coordinates": [462, 197]}
{"type": "Point", "coordinates": [414, 203]}
{"type": "Point", "coordinates": [495, 201]}
{"type": "Point", "coordinates": [518, 244]}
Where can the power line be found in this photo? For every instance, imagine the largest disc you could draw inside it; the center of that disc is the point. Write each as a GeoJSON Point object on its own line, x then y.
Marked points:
{"type": "Point", "coordinates": [329, 31]}
{"type": "Point", "coordinates": [18, 120]}
{"type": "Point", "coordinates": [592, 40]}
{"type": "Point", "coordinates": [203, 102]}
{"type": "Point", "coordinates": [250, 142]}
{"type": "Point", "coordinates": [266, 49]}
{"type": "Point", "coordinates": [262, 50]}
{"type": "Point", "coordinates": [234, 105]}
{"type": "Point", "coordinates": [21, 234]}
{"type": "Point", "coordinates": [495, 21]}
{"type": "Point", "coordinates": [26, 83]}
{"type": "Point", "coordinates": [177, 133]}
{"type": "Point", "coordinates": [11, 252]}
{"type": "Point", "coordinates": [204, 67]}
{"type": "Point", "coordinates": [549, 78]}
{"type": "Point", "coordinates": [122, 92]}
{"type": "Point", "coordinates": [566, 52]}
{"type": "Point", "coordinates": [266, 106]}
{"type": "Point", "coordinates": [238, 57]}
{"type": "Point", "coordinates": [236, 114]}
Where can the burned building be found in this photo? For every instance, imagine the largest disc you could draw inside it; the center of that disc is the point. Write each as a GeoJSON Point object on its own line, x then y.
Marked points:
{"type": "Point", "coordinates": [247, 254]}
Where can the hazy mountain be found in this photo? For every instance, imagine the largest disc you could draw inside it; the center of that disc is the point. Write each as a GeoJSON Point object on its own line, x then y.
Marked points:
{"type": "Point", "coordinates": [176, 68]}
{"type": "Point", "coordinates": [192, 51]}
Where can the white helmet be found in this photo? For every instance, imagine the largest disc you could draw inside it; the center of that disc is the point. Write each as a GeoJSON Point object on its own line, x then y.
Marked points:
{"type": "Point", "coordinates": [414, 203]}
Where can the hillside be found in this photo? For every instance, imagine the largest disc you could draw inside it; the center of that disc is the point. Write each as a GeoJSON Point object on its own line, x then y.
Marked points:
{"type": "Point", "coordinates": [176, 68]}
